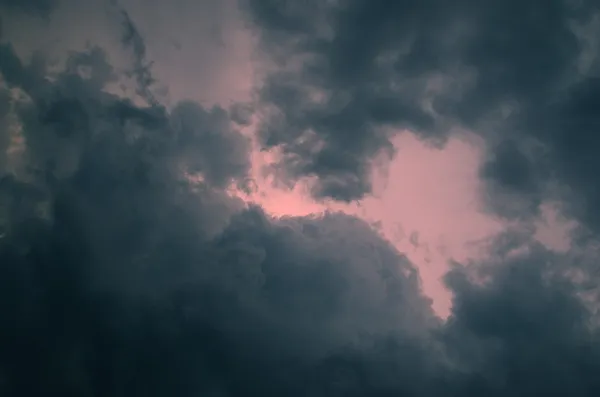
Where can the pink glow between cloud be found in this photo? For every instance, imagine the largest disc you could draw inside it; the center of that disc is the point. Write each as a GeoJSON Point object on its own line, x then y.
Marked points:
{"type": "Point", "coordinates": [427, 205]}
{"type": "Point", "coordinates": [430, 194]}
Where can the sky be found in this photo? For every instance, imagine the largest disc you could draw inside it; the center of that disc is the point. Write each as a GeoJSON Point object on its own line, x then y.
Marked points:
{"type": "Point", "coordinates": [282, 198]}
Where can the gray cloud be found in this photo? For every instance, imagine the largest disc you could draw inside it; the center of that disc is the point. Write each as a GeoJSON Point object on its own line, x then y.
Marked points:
{"type": "Point", "coordinates": [122, 274]}
{"type": "Point", "coordinates": [514, 71]}
{"type": "Point", "coordinates": [500, 329]}
{"type": "Point", "coordinates": [42, 8]}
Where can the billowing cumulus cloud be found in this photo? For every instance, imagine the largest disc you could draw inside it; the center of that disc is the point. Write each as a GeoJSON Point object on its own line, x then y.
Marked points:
{"type": "Point", "coordinates": [127, 266]}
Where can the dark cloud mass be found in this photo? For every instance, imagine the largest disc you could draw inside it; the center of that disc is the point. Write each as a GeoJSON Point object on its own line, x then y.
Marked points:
{"type": "Point", "coordinates": [348, 71]}
{"type": "Point", "coordinates": [41, 8]}
{"type": "Point", "coordinates": [126, 269]}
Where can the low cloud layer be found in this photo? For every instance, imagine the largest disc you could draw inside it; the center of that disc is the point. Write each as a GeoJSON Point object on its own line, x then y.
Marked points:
{"type": "Point", "coordinates": [127, 268]}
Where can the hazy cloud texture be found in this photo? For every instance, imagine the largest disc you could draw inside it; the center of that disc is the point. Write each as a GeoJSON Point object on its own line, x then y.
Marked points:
{"type": "Point", "coordinates": [128, 268]}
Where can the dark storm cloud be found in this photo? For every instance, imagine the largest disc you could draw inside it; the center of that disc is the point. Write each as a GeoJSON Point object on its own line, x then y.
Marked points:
{"type": "Point", "coordinates": [125, 269]}
{"type": "Point", "coordinates": [525, 330]}
{"type": "Point", "coordinates": [121, 277]}
{"type": "Point", "coordinates": [522, 71]}
{"type": "Point", "coordinates": [513, 186]}
{"type": "Point", "coordinates": [42, 8]}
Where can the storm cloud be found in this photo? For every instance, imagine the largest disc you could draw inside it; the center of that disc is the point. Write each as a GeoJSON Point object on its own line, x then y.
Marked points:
{"type": "Point", "coordinates": [40, 8]}
{"type": "Point", "coordinates": [349, 75]}
{"type": "Point", "coordinates": [127, 266]}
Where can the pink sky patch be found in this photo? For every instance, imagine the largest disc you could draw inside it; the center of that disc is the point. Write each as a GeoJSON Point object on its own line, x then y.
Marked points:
{"type": "Point", "coordinates": [426, 203]}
